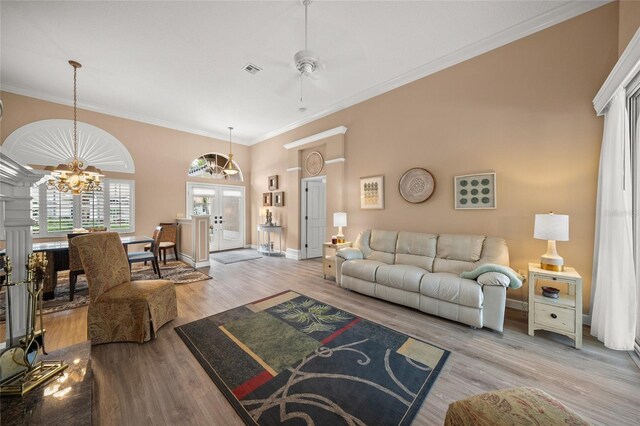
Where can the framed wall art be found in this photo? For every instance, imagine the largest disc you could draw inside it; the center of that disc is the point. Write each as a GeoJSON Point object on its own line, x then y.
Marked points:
{"type": "Point", "coordinates": [475, 192]}
{"type": "Point", "coordinates": [416, 185]}
{"type": "Point", "coordinates": [314, 163]}
{"type": "Point", "coordinates": [266, 199]}
{"type": "Point", "coordinates": [372, 193]}
{"type": "Point", "coordinates": [278, 199]}
{"type": "Point", "coordinates": [273, 183]}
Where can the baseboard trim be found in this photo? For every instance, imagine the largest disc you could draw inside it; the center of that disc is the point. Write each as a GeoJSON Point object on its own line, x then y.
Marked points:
{"type": "Point", "coordinates": [293, 254]}
{"type": "Point", "coordinates": [189, 261]}
{"type": "Point", "coordinates": [517, 304]}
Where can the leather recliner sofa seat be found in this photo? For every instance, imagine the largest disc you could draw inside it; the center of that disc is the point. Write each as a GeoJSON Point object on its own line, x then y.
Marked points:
{"type": "Point", "coordinates": [421, 270]}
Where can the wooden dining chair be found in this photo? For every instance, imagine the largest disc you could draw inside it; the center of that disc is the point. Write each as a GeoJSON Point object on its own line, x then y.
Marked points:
{"type": "Point", "coordinates": [75, 266]}
{"type": "Point", "coordinates": [151, 255]}
{"type": "Point", "coordinates": [169, 241]}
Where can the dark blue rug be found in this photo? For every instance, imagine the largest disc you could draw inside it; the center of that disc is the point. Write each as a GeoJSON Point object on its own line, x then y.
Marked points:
{"type": "Point", "coordinates": [290, 359]}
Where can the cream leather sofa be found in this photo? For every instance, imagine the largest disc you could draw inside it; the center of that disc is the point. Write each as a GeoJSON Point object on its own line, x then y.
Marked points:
{"type": "Point", "coordinates": [422, 271]}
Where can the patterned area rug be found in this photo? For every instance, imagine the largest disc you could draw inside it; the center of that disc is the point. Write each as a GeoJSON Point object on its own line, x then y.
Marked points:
{"type": "Point", "coordinates": [234, 256]}
{"type": "Point", "coordinates": [176, 271]}
{"type": "Point", "coordinates": [290, 358]}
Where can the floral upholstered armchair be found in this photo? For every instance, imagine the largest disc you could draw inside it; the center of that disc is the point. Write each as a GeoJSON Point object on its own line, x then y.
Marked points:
{"type": "Point", "coordinates": [121, 310]}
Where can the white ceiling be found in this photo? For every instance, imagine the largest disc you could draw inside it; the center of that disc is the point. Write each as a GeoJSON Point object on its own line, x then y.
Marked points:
{"type": "Point", "coordinates": [179, 64]}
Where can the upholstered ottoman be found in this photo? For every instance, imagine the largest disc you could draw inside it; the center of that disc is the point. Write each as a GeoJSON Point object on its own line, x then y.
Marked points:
{"type": "Point", "coordinates": [517, 406]}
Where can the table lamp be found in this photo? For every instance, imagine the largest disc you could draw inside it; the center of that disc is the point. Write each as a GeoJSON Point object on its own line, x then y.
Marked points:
{"type": "Point", "coordinates": [340, 220]}
{"type": "Point", "coordinates": [551, 227]}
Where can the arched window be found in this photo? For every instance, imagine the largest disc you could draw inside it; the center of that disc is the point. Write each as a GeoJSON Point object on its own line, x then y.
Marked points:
{"type": "Point", "coordinates": [49, 143]}
{"type": "Point", "coordinates": [210, 166]}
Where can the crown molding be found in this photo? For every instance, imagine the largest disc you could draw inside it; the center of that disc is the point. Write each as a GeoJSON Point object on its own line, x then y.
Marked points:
{"type": "Point", "coordinates": [340, 130]}
{"type": "Point", "coordinates": [545, 20]}
{"type": "Point", "coordinates": [120, 114]}
{"type": "Point", "coordinates": [627, 67]}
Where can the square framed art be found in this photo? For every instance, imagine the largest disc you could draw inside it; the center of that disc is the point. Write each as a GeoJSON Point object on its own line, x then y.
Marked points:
{"type": "Point", "coordinates": [372, 193]}
{"type": "Point", "coordinates": [266, 199]}
{"type": "Point", "coordinates": [278, 199]}
{"type": "Point", "coordinates": [475, 192]}
{"type": "Point", "coordinates": [273, 183]}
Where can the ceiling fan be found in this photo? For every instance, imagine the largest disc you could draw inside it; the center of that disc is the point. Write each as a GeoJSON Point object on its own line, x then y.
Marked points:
{"type": "Point", "coordinates": [306, 61]}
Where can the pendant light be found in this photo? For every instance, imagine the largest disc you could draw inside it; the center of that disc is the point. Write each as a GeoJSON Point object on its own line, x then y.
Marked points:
{"type": "Point", "coordinates": [74, 177]}
{"type": "Point", "coordinates": [230, 168]}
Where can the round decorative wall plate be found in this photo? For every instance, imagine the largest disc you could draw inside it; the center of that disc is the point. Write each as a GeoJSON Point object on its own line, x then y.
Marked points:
{"type": "Point", "coordinates": [314, 163]}
{"type": "Point", "coordinates": [416, 185]}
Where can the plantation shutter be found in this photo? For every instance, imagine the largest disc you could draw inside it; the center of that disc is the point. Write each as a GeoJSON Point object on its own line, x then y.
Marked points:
{"type": "Point", "coordinates": [35, 209]}
{"type": "Point", "coordinates": [92, 209]}
{"type": "Point", "coordinates": [120, 206]}
{"type": "Point", "coordinates": [59, 211]}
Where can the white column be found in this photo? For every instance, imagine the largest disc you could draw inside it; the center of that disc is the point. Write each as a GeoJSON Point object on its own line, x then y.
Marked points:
{"type": "Point", "coordinates": [15, 223]}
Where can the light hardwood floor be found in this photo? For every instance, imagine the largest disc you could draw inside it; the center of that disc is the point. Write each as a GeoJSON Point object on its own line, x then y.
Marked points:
{"type": "Point", "coordinates": [160, 382]}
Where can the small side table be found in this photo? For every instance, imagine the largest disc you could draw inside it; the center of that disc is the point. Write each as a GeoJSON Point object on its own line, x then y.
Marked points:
{"type": "Point", "coordinates": [267, 247]}
{"type": "Point", "coordinates": [562, 315]}
{"type": "Point", "coordinates": [329, 261]}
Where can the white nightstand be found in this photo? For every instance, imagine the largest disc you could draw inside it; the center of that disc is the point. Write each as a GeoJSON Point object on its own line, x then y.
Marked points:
{"type": "Point", "coordinates": [562, 315]}
{"type": "Point", "coordinates": [329, 261]}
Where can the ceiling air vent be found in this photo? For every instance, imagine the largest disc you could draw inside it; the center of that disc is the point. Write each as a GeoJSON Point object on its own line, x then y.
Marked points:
{"type": "Point", "coordinates": [251, 69]}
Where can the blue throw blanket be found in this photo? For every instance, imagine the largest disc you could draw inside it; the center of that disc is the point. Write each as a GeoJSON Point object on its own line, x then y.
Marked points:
{"type": "Point", "coordinates": [514, 278]}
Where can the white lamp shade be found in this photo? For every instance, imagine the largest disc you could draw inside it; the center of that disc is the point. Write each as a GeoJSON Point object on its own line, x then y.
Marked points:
{"type": "Point", "coordinates": [340, 219]}
{"type": "Point", "coordinates": [551, 227]}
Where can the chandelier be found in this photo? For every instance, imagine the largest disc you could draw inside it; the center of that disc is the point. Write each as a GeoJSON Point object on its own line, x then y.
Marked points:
{"type": "Point", "coordinates": [74, 177]}
{"type": "Point", "coordinates": [229, 168]}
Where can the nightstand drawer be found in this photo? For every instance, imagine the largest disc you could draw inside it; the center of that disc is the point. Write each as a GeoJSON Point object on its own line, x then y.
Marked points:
{"type": "Point", "coordinates": [556, 317]}
{"type": "Point", "coordinates": [329, 265]}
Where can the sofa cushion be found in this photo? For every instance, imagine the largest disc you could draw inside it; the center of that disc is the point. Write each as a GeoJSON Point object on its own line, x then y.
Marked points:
{"type": "Point", "coordinates": [460, 247]}
{"type": "Point", "coordinates": [350, 253]}
{"type": "Point", "coordinates": [383, 246]}
{"type": "Point", "coordinates": [417, 249]}
{"type": "Point", "coordinates": [451, 288]}
{"type": "Point", "coordinates": [362, 269]}
{"type": "Point", "coordinates": [403, 277]}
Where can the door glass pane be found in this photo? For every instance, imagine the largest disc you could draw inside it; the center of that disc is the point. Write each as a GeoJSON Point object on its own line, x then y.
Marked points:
{"type": "Point", "coordinates": [231, 210]}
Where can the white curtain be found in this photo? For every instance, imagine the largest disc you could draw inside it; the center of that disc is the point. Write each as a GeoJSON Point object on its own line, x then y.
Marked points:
{"type": "Point", "coordinates": [613, 316]}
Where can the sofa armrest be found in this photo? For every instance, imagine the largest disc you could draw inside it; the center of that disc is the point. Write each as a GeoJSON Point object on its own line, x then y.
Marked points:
{"type": "Point", "coordinates": [350, 253]}
{"type": "Point", "coordinates": [494, 278]}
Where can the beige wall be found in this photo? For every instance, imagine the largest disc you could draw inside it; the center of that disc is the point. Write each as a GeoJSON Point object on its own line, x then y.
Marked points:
{"type": "Point", "coordinates": [162, 156]}
{"type": "Point", "coordinates": [629, 13]}
{"type": "Point", "coordinates": [523, 110]}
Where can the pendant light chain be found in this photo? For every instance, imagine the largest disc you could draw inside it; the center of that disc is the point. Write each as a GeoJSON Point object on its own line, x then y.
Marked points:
{"type": "Point", "coordinates": [75, 112]}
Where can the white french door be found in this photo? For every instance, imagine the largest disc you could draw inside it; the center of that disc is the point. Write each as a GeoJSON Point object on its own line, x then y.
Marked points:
{"type": "Point", "coordinates": [314, 216]}
{"type": "Point", "coordinates": [225, 205]}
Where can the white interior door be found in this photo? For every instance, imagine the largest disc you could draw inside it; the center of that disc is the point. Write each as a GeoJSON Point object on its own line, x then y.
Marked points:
{"type": "Point", "coordinates": [225, 205]}
{"type": "Point", "coordinates": [314, 216]}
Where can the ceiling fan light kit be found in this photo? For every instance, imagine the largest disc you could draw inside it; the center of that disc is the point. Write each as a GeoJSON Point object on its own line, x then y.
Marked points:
{"type": "Point", "coordinates": [307, 61]}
